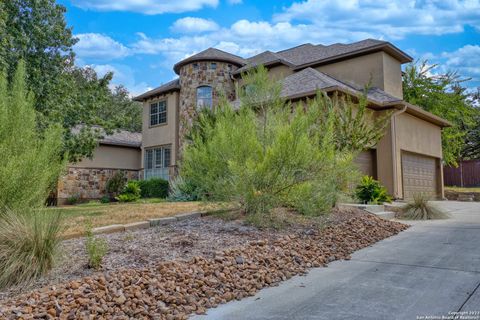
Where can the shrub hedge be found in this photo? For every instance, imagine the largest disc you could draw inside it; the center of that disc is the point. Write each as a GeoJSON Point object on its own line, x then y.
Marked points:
{"type": "Point", "coordinates": [153, 188]}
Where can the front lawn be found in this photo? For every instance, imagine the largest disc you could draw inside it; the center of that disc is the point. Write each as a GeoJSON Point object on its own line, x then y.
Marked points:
{"type": "Point", "coordinates": [98, 214]}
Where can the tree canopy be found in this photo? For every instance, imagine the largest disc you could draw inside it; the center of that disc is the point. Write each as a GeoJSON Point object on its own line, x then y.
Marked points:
{"type": "Point", "coordinates": [444, 96]}
{"type": "Point", "coordinates": [36, 32]}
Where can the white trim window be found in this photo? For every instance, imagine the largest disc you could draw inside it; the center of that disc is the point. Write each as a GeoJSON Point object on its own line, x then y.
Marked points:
{"type": "Point", "coordinates": [158, 113]}
{"type": "Point", "coordinates": [204, 97]}
{"type": "Point", "coordinates": [157, 161]}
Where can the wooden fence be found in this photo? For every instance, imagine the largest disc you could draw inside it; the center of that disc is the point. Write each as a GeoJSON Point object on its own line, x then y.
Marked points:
{"type": "Point", "coordinates": [467, 174]}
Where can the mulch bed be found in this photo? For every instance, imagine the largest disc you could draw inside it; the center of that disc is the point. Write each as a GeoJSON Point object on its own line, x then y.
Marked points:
{"type": "Point", "coordinates": [204, 272]}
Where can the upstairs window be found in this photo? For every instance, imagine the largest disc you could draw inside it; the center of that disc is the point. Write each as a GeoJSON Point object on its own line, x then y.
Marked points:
{"type": "Point", "coordinates": [158, 113]}
{"type": "Point", "coordinates": [213, 66]}
{"type": "Point", "coordinates": [204, 97]}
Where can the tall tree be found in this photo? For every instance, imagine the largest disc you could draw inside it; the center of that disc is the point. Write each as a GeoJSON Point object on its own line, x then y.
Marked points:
{"type": "Point", "coordinates": [36, 32]}
{"type": "Point", "coordinates": [471, 149]}
{"type": "Point", "coordinates": [444, 96]}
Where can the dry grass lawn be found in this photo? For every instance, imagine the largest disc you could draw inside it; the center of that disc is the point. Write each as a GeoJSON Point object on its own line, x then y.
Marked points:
{"type": "Point", "coordinates": [79, 216]}
{"type": "Point", "coordinates": [460, 189]}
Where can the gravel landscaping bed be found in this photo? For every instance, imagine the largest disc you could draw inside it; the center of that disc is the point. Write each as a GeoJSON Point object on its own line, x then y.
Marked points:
{"type": "Point", "coordinates": [172, 271]}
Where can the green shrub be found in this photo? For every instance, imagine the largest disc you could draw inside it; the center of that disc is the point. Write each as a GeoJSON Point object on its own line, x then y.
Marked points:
{"type": "Point", "coordinates": [116, 183]}
{"type": "Point", "coordinates": [96, 249]}
{"type": "Point", "coordinates": [105, 199]}
{"type": "Point", "coordinates": [371, 191]}
{"type": "Point", "coordinates": [153, 188]}
{"type": "Point", "coordinates": [73, 199]}
{"type": "Point", "coordinates": [265, 161]}
{"type": "Point", "coordinates": [130, 193]}
{"type": "Point", "coordinates": [422, 209]}
{"type": "Point", "coordinates": [182, 190]}
{"type": "Point", "coordinates": [29, 244]}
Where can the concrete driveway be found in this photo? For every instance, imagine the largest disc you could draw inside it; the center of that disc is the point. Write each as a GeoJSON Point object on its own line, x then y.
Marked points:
{"type": "Point", "coordinates": [430, 270]}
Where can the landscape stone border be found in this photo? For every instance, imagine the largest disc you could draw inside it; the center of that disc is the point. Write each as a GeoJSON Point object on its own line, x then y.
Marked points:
{"type": "Point", "coordinates": [149, 223]}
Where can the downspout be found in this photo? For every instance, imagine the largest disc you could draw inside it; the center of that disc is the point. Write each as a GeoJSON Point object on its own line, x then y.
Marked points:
{"type": "Point", "coordinates": [394, 150]}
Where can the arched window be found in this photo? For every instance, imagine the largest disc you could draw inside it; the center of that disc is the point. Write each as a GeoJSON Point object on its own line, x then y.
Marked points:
{"type": "Point", "coordinates": [204, 97]}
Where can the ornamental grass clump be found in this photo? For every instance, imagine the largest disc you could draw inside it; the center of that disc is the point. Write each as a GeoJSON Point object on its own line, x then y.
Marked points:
{"type": "Point", "coordinates": [96, 249]}
{"type": "Point", "coordinates": [422, 209]}
{"type": "Point", "coordinates": [28, 245]}
{"type": "Point", "coordinates": [31, 165]}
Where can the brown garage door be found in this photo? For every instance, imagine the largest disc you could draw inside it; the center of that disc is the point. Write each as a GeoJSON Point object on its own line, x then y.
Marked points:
{"type": "Point", "coordinates": [420, 175]}
{"type": "Point", "coordinates": [366, 163]}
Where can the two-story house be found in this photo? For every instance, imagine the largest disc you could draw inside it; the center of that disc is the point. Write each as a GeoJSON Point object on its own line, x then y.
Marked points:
{"type": "Point", "coordinates": [408, 158]}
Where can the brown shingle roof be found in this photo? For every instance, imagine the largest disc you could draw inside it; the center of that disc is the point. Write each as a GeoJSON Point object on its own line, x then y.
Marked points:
{"type": "Point", "coordinates": [123, 138]}
{"type": "Point", "coordinates": [210, 54]}
{"type": "Point", "coordinates": [308, 54]}
{"type": "Point", "coordinates": [164, 88]}
{"type": "Point", "coordinates": [117, 138]}
{"type": "Point", "coordinates": [309, 80]}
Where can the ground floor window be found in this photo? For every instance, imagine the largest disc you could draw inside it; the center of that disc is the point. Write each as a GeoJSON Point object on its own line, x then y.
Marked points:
{"type": "Point", "coordinates": [157, 161]}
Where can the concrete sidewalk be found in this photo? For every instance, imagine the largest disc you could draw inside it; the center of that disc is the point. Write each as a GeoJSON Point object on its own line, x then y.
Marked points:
{"type": "Point", "coordinates": [432, 269]}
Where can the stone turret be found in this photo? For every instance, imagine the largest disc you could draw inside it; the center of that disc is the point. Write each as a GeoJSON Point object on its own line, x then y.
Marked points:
{"type": "Point", "coordinates": [211, 71]}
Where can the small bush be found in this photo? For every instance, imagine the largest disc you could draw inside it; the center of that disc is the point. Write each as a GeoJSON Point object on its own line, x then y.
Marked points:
{"type": "Point", "coordinates": [73, 199]}
{"type": "Point", "coordinates": [182, 190]}
{"type": "Point", "coordinates": [421, 209]}
{"type": "Point", "coordinates": [96, 249]}
{"type": "Point", "coordinates": [371, 191]}
{"type": "Point", "coordinates": [130, 193]}
{"type": "Point", "coordinates": [116, 183]}
{"type": "Point", "coordinates": [28, 245]}
{"type": "Point", "coordinates": [105, 199]}
{"type": "Point", "coordinates": [153, 188]}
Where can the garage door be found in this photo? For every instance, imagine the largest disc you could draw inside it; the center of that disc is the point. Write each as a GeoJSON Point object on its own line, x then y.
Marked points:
{"type": "Point", "coordinates": [366, 163]}
{"type": "Point", "coordinates": [420, 175]}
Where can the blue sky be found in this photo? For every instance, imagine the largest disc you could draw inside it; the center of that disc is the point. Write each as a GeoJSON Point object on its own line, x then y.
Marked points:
{"type": "Point", "coordinates": [140, 40]}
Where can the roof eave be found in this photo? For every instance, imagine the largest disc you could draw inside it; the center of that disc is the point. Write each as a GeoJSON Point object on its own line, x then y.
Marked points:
{"type": "Point", "coordinates": [121, 144]}
{"type": "Point", "coordinates": [427, 116]}
{"type": "Point", "coordinates": [148, 95]}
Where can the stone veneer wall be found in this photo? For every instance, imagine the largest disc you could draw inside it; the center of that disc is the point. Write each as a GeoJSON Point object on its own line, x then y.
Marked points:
{"type": "Point", "coordinates": [87, 183]}
{"type": "Point", "coordinates": [190, 79]}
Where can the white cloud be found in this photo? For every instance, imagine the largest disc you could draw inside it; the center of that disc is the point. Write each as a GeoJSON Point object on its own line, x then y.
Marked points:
{"type": "Point", "coordinates": [99, 46]}
{"type": "Point", "coordinates": [193, 25]}
{"type": "Point", "coordinates": [244, 38]}
{"type": "Point", "coordinates": [122, 75]}
{"type": "Point", "coordinates": [150, 7]}
{"type": "Point", "coordinates": [395, 18]}
{"type": "Point", "coordinates": [466, 60]}
{"type": "Point", "coordinates": [232, 2]}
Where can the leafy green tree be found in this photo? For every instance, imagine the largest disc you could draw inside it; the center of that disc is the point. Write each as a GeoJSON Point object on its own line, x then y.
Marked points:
{"type": "Point", "coordinates": [471, 150]}
{"type": "Point", "coordinates": [31, 163]}
{"type": "Point", "coordinates": [36, 32]}
{"type": "Point", "coordinates": [444, 96]}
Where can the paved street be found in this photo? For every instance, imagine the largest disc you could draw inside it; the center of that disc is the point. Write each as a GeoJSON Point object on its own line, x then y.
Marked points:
{"type": "Point", "coordinates": [431, 269]}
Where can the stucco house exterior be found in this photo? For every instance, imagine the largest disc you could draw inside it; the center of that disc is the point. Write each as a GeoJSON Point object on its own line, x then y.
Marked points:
{"type": "Point", "coordinates": [87, 179]}
{"type": "Point", "coordinates": [407, 160]}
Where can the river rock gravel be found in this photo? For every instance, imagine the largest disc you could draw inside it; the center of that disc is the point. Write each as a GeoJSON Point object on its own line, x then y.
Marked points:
{"type": "Point", "coordinates": [227, 265]}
